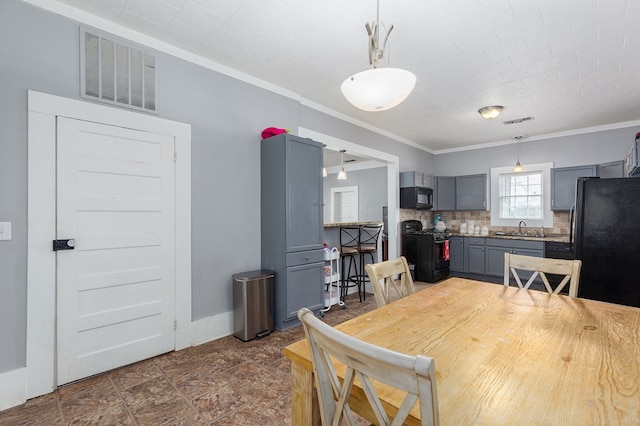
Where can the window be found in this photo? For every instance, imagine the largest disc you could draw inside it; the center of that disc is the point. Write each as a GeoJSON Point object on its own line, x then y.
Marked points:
{"type": "Point", "coordinates": [520, 195]}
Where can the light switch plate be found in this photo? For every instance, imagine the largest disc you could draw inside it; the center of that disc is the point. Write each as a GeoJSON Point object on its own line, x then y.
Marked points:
{"type": "Point", "coordinates": [5, 230]}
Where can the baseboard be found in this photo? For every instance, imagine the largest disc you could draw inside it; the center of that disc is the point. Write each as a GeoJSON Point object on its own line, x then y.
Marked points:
{"type": "Point", "coordinates": [211, 328]}
{"type": "Point", "coordinates": [12, 388]}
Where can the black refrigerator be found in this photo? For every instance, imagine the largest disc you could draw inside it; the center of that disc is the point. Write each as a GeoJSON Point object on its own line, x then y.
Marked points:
{"type": "Point", "coordinates": [607, 239]}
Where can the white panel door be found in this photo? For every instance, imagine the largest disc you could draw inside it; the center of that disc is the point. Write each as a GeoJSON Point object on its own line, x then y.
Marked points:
{"type": "Point", "coordinates": [115, 290]}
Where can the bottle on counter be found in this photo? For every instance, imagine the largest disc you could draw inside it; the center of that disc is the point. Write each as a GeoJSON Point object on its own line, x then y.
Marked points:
{"type": "Point", "coordinates": [541, 231]}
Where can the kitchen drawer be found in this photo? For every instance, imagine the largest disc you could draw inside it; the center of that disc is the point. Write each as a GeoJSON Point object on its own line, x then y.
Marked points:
{"type": "Point", "coordinates": [476, 241]}
{"type": "Point", "coordinates": [515, 244]}
{"type": "Point", "coordinates": [302, 257]}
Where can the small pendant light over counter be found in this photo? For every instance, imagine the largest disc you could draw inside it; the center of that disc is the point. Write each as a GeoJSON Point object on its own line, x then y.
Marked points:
{"type": "Point", "coordinates": [342, 175]}
{"type": "Point", "coordinates": [518, 167]}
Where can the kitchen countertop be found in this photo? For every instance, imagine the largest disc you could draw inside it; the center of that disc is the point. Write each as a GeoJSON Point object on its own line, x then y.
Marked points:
{"type": "Point", "coordinates": [341, 224]}
{"type": "Point", "coordinates": [559, 238]}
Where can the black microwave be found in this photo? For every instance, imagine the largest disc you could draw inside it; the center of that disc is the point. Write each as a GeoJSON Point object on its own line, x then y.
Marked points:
{"type": "Point", "coordinates": [416, 197]}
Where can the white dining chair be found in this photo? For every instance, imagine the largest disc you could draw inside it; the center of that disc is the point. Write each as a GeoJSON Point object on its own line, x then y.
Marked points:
{"type": "Point", "coordinates": [383, 280]}
{"type": "Point", "coordinates": [415, 375]}
{"type": "Point", "coordinates": [540, 267]}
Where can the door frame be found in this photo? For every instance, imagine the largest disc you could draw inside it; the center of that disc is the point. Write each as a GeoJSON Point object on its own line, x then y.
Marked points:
{"type": "Point", "coordinates": [43, 109]}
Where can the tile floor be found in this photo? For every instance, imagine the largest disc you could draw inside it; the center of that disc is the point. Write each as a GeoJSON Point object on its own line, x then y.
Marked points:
{"type": "Point", "coordinates": [224, 382]}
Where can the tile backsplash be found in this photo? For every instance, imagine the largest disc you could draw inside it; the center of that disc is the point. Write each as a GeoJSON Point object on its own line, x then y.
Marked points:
{"type": "Point", "coordinates": [481, 218]}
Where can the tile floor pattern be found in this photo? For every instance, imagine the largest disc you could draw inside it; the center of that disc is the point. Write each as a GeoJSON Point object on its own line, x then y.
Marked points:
{"type": "Point", "coordinates": [224, 382]}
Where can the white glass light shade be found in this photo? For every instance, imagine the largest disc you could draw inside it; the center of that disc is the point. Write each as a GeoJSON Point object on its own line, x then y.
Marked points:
{"type": "Point", "coordinates": [490, 112]}
{"type": "Point", "coordinates": [342, 175]}
{"type": "Point", "coordinates": [378, 89]}
{"type": "Point", "coordinates": [518, 167]}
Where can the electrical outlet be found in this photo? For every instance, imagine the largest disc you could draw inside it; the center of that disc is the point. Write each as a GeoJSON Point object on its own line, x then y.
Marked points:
{"type": "Point", "coordinates": [5, 230]}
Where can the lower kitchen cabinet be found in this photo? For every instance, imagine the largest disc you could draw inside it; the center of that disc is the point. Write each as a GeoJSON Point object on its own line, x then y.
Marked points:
{"type": "Point", "coordinates": [456, 254]}
{"type": "Point", "coordinates": [475, 250]}
{"type": "Point", "coordinates": [299, 293]}
{"type": "Point", "coordinates": [495, 248]}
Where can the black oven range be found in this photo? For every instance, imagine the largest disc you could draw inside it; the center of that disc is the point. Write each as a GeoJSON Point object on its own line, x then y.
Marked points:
{"type": "Point", "coordinates": [426, 250]}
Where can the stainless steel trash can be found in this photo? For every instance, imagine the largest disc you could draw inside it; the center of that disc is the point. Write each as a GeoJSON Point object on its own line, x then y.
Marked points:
{"type": "Point", "coordinates": [253, 304]}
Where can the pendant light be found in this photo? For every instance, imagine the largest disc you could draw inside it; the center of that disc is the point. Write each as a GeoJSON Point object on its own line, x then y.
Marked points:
{"type": "Point", "coordinates": [518, 167]}
{"type": "Point", "coordinates": [342, 175]}
{"type": "Point", "coordinates": [378, 89]}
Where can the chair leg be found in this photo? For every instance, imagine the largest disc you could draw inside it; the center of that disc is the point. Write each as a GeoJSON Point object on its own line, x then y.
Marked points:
{"type": "Point", "coordinates": [347, 277]}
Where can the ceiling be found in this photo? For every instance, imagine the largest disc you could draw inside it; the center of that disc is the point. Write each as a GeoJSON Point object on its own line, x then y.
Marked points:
{"type": "Point", "coordinates": [569, 64]}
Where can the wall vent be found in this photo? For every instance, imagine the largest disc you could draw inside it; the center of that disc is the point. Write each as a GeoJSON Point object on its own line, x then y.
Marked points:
{"type": "Point", "coordinates": [518, 120]}
{"type": "Point", "coordinates": [116, 72]}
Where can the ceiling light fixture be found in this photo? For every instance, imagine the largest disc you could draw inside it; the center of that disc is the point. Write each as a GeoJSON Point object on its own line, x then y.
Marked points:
{"type": "Point", "coordinates": [490, 112]}
{"type": "Point", "coordinates": [342, 175]}
{"type": "Point", "coordinates": [518, 167]}
{"type": "Point", "coordinates": [378, 89]}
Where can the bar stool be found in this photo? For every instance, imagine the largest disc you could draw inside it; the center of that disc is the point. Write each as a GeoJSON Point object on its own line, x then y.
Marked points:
{"type": "Point", "coordinates": [349, 237]}
{"type": "Point", "coordinates": [360, 241]}
{"type": "Point", "coordinates": [367, 244]}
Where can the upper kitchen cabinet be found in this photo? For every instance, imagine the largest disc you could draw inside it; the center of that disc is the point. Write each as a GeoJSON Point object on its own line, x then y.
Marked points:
{"type": "Point", "coordinates": [611, 170]}
{"type": "Point", "coordinates": [445, 193]}
{"type": "Point", "coordinates": [471, 192]}
{"type": "Point", "coordinates": [460, 192]}
{"type": "Point", "coordinates": [563, 184]}
{"type": "Point", "coordinates": [409, 179]}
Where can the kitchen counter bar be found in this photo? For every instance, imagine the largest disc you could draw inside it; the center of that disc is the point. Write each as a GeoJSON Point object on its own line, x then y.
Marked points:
{"type": "Point", "coordinates": [341, 224]}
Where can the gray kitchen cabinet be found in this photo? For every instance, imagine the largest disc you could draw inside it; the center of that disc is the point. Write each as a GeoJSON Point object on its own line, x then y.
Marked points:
{"type": "Point", "coordinates": [460, 192]}
{"type": "Point", "coordinates": [471, 192]}
{"type": "Point", "coordinates": [445, 193]}
{"type": "Point", "coordinates": [456, 254]}
{"type": "Point", "coordinates": [563, 184]}
{"type": "Point", "coordinates": [409, 179]}
{"type": "Point", "coordinates": [614, 169]}
{"type": "Point", "coordinates": [291, 224]}
{"type": "Point", "coordinates": [495, 248]}
{"type": "Point", "coordinates": [475, 255]}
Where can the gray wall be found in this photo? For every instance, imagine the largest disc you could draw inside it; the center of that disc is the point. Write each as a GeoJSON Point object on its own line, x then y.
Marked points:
{"type": "Point", "coordinates": [410, 158]}
{"type": "Point", "coordinates": [39, 51]}
{"type": "Point", "coordinates": [591, 148]}
{"type": "Point", "coordinates": [372, 192]}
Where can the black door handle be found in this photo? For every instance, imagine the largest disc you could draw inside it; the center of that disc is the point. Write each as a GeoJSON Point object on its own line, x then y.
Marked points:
{"type": "Point", "coordinates": [64, 244]}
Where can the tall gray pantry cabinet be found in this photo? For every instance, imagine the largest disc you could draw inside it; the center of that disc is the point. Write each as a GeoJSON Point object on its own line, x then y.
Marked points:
{"type": "Point", "coordinates": [291, 224]}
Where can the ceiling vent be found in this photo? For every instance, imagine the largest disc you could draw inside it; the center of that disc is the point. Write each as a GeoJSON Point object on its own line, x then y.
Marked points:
{"type": "Point", "coordinates": [117, 73]}
{"type": "Point", "coordinates": [518, 120]}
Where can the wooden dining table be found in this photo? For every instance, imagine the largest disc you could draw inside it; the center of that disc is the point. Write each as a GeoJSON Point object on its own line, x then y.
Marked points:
{"type": "Point", "coordinates": [503, 355]}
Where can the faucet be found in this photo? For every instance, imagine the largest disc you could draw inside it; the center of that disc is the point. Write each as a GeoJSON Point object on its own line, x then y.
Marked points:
{"type": "Point", "coordinates": [520, 226]}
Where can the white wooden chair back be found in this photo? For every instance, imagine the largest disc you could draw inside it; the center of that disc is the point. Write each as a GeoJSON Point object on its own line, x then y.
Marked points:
{"type": "Point", "coordinates": [542, 266]}
{"type": "Point", "coordinates": [415, 375]}
{"type": "Point", "coordinates": [381, 276]}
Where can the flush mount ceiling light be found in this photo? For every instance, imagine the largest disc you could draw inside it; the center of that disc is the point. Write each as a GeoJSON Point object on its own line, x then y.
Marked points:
{"type": "Point", "coordinates": [490, 112]}
{"type": "Point", "coordinates": [342, 175]}
{"type": "Point", "coordinates": [378, 89]}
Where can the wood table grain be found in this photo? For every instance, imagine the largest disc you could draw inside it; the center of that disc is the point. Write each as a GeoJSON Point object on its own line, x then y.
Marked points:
{"type": "Point", "coordinates": [503, 356]}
